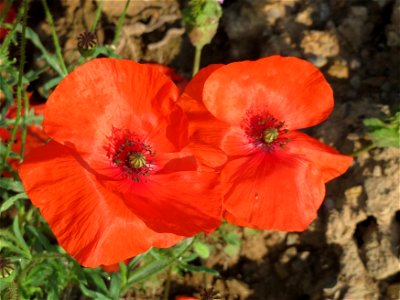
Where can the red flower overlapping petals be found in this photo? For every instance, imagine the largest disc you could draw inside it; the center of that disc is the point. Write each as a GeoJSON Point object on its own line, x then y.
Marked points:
{"type": "Point", "coordinates": [117, 179]}
{"type": "Point", "coordinates": [275, 175]}
{"type": "Point", "coordinates": [125, 171]}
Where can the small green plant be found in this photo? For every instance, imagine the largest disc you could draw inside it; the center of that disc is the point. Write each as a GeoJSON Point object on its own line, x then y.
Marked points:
{"type": "Point", "coordinates": [384, 132]}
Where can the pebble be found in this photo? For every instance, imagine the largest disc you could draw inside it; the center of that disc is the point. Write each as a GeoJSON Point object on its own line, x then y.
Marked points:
{"type": "Point", "coordinates": [339, 69]}
{"type": "Point", "coordinates": [377, 171]}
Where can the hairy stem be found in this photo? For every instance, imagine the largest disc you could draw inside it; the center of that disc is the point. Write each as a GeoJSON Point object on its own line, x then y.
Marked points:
{"type": "Point", "coordinates": [24, 125]}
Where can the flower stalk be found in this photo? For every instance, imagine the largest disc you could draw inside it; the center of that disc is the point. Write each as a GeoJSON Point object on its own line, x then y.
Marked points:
{"type": "Point", "coordinates": [19, 86]}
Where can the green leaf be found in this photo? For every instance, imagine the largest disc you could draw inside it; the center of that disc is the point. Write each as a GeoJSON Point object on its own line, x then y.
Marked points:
{"type": "Point", "coordinates": [41, 237]}
{"type": "Point", "coordinates": [115, 286]}
{"type": "Point", "coordinates": [149, 269]}
{"type": "Point", "coordinates": [51, 59]}
{"type": "Point", "coordinates": [97, 279]}
{"type": "Point", "coordinates": [373, 123]}
{"type": "Point", "coordinates": [386, 137]}
{"type": "Point", "coordinates": [123, 269]}
{"type": "Point", "coordinates": [93, 294]}
{"type": "Point", "coordinates": [201, 269]}
{"type": "Point", "coordinates": [50, 84]}
{"type": "Point", "coordinates": [11, 185]}
{"type": "Point", "coordinates": [4, 244]}
{"type": "Point", "coordinates": [201, 249]}
{"type": "Point", "coordinates": [18, 234]}
{"type": "Point", "coordinates": [10, 201]}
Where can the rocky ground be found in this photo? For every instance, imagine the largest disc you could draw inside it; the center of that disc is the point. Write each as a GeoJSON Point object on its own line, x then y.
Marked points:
{"type": "Point", "coordinates": [352, 250]}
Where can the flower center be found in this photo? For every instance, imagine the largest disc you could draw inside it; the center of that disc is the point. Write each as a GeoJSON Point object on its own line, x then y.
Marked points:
{"type": "Point", "coordinates": [130, 154]}
{"type": "Point", "coordinates": [270, 134]}
{"type": "Point", "coordinates": [137, 160]}
{"type": "Point", "coordinates": [265, 131]}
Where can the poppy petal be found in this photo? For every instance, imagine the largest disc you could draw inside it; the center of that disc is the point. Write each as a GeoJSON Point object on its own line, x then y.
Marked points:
{"type": "Point", "coordinates": [205, 130]}
{"type": "Point", "coordinates": [176, 198]}
{"type": "Point", "coordinates": [109, 93]}
{"type": "Point", "coordinates": [235, 142]}
{"type": "Point", "coordinates": [272, 191]}
{"type": "Point", "coordinates": [330, 162]}
{"type": "Point", "coordinates": [90, 222]}
{"type": "Point", "coordinates": [195, 86]}
{"type": "Point", "coordinates": [290, 89]}
{"type": "Point", "coordinates": [184, 203]}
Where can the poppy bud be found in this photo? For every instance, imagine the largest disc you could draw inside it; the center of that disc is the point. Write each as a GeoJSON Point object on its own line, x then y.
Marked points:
{"type": "Point", "coordinates": [87, 43]}
{"type": "Point", "coordinates": [6, 267]}
{"type": "Point", "coordinates": [201, 19]}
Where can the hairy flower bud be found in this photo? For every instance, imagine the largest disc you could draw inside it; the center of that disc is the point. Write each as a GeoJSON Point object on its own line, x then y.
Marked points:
{"type": "Point", "coordinates": [201, 19]}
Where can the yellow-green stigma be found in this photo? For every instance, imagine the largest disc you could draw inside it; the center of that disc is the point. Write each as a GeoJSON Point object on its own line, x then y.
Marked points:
{"type": "Point", "coordinates": [270, 134]}
{"type": "Point", "coordinates": [137, 160]}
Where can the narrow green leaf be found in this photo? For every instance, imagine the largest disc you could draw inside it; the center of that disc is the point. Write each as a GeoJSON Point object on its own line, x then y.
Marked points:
{"type": "Point", "coordinates": [10, 201]}
{"type": "Point", "coordinates": [115, 286]}
{"type": "Point", "coordinates": [97, 279]}
{"type": "Point", "coordinates": [93, 294]}
{"type": "Point", "coordinates": [51, 59]}
{"type": "Point", "coordinates": [40, 236]}
{"type": "Point", "coordinates": [11, 247]}
{"type": "Point", "coordinates": [11, 185]}
{"type": "Point", "coordinates": [148, 270]}
{"type": "Point", "coordinates": [201, 269]}
{"type": "Point", "coordinates": [123, 270]}
{"type": "Point", "coordinates": [18, 234]}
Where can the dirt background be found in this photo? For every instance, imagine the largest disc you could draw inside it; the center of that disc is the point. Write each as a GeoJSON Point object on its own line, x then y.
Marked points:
{"type": "Point", "coordinates": [352, 250]}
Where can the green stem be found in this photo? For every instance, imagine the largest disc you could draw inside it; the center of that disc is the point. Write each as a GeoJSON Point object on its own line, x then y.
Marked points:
{"type": "Point", "coordinates": [19, 87]}
{"type": "Point", "coordinates": [197, 58]}
{"type": "Point", "coordinates": [24, 125]}
{"type": "Point", "coordinates": [97, 16]}
{"type": "Point", "coordinates": [167, 284]}
{"type": "Point", "coordinates": [49, 19]}
{"type": "Point", "coordinates": [120, 23]}
{"type": "Point", "coordinates": [362, 150]}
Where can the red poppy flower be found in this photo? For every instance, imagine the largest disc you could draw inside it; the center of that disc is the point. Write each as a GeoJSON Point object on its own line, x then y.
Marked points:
{"type": "Point", "coordinates": [9, 18]}
{"type": "Point", "coordinates": [116, 179]}
{"type": "Point", "coordinates": [185, 298]}
{"type": "Point", "coordinates": [275, 175]}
